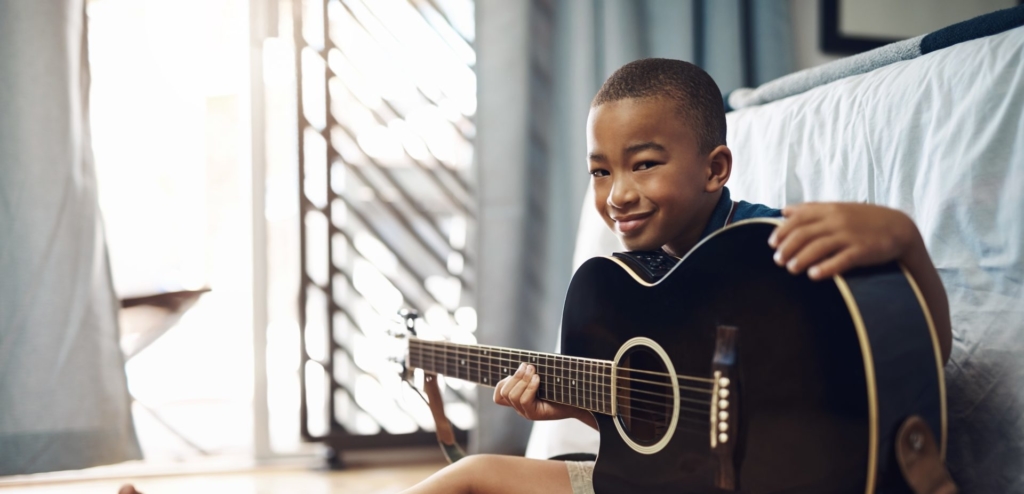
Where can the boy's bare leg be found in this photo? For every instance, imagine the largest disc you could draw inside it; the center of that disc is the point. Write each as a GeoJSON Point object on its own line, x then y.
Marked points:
{"type": "Point", "coordinates": [497, 474]}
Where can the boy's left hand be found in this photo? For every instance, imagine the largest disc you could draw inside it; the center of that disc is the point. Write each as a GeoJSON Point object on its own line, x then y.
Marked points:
{"type": "Point", "coordinates": [826, 239]}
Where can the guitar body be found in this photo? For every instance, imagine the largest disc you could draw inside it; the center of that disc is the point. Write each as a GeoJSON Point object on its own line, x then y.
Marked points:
{"type": "Point", "coordinates": [823, 374]}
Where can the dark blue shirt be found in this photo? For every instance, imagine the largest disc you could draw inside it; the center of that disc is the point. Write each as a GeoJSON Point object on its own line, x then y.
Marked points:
{"type": "Point", "coordinates": [727, 211]}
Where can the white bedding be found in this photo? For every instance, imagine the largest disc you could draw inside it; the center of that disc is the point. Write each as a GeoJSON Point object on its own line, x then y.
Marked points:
{"type": "Point", "coordinates": [940, 137]}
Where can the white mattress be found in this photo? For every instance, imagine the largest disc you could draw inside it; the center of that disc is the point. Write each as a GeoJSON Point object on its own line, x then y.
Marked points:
{"type": "Point", "coordinates": [940, 137]}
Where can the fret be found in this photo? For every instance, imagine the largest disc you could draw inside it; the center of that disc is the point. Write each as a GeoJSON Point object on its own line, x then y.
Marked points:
{"type": "Point", "coordinates": [505, 357]}
{"type": "Point", "coordinates": [475, 359]}
{"type": "Point", "coordinates": [581, 382]}
{"type": "Point", "coordinates": [560, 395]}
{"type": "Point", "coordinates": [574, 390]}
{"type": "Point", "coordinates": [608, 389]}
{"type": "Point", "coordinates": [573, 397]}
{"type": "Point", "coordinates": [456, 362]}
{"type": "Point", "coordinates": [600, 387]}
{"type": "Point", "coordinates": [542, 369]}
{"type": "Point", "coordinates": [451, 359]}
{"type": "Point", "coordinates": [555, 380]}
{"type": "Point", "coordinates": [546, 376]}
{"type": "Point", "coordinates": [445, 359]}
{"type": "Point", "coordinates": [605, 403]}
{"type": "Point", "coordinates": [583, 385]}
{"type": "Point", "coordinates": [592, 386]}
{"type": "Point", "coordinates": [493, 366]}
{"type": "Point", "coordinates": [552, 392]}
{"type": "Point", "coordinates": [577, 390]}
{"type": "Point", "coordinates": [536, 367]}
{"type": "Point", "coordinates": [567, 381]}
{"type": "Point", "coordinates": [485, 361]}
{"type": "Point", "coordinates": [464, 363]}
{"type": "Point", "coordinates": [460, 363]}
{"type": "Point", "coordinates": [433, 360]}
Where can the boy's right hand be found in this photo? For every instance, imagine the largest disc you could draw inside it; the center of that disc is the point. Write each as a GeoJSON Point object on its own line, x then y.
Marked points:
{"type": "Point", "coordinates": [519, 391]}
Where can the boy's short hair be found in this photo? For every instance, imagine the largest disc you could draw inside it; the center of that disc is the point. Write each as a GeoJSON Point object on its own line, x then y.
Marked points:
{"type": "Point", "coordinates": [698, 100]}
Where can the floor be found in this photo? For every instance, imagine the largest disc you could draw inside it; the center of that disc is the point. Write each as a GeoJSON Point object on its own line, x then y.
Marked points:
{"type": "Point", "coordinates": [360, 480]}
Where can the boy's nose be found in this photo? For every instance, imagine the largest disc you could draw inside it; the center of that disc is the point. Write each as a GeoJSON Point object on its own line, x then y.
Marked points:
{"type": "Point", "coordinates": [622, 194]}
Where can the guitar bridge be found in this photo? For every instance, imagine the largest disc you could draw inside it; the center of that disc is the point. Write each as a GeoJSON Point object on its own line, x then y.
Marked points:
{"type": "Point", "coordinates": [725, 399]}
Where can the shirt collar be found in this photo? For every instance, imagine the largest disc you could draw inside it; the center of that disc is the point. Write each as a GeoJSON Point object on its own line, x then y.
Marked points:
{"type": "Point", "coordinates": [720, 215]}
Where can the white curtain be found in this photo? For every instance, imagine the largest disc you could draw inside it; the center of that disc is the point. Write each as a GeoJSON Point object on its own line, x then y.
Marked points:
{"type": "Point", "coordinates": [63, 397]}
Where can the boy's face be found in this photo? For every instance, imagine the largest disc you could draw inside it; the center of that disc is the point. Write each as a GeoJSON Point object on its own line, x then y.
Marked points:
{"type": "Point", "coordinates": [650, 180]}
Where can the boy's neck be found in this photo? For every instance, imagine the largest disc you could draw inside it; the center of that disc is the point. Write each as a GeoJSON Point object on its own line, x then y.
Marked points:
{"type": "Point", "coordinates": [715, 211]}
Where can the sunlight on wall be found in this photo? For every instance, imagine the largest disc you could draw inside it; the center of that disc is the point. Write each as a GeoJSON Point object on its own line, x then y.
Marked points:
{"type": "Point", "coordinates": [388, 94]}
{"type": "Point", "coordinates": [169, 80]}
{"type": "Point", "coordinates": [170, 95]}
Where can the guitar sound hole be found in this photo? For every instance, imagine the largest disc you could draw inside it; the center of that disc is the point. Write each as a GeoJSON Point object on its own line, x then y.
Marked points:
{"type": "Point", "coordinates": [644, 396]}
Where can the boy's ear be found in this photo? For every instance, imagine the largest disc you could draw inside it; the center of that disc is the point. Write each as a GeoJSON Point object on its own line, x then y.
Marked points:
{"type": "Point", "coordinates": [719, 168]}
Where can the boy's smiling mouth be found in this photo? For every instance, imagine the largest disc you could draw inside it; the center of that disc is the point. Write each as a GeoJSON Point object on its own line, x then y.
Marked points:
{"type": "Point", "coordinates": [631, 222]}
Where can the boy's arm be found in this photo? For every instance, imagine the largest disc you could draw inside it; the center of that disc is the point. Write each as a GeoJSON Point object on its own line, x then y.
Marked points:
{"type": "Point", "coordinates": [826, 239]}
{"type": "Point", "coordinates": [519, 391]}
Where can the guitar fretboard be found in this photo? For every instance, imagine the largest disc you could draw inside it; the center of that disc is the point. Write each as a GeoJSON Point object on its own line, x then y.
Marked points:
{"type": "Point", "coordinates": [575, 381]}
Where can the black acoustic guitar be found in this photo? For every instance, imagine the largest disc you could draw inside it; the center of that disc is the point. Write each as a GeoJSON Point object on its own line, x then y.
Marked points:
{"type": "Point", "coordinates": [722, 372]}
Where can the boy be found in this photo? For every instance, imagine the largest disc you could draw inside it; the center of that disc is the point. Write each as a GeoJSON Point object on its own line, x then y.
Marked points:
{"type": "Point", "coordinates": [659, 163]}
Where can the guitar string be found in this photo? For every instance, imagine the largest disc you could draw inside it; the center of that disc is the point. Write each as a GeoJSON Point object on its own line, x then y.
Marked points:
{"type": "Point", "coordinates": [604, 409]}
{"type": "Point", "coordinates": [490, 369]}
{"type": "Point", "coordinates": [604, 363]}
{"type": "Point", "coordinates": [590, 387]}
{"type": "Point", "coordinates": [427, 344]}
{"type": "Point", "coordinates": [453, 358]}
{"type": "Point", "coordinates": [665, 405]}
{"type": "Point", "coordinates": [686, 420]}
{"type": "Point", "coordinates": [590, 394]}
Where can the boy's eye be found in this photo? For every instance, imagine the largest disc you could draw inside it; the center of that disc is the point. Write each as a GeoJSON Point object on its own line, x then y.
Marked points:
{"type": "Point", "coordinates": [644, 165]}
{"type": "Point", "coordinates": [599, 173]}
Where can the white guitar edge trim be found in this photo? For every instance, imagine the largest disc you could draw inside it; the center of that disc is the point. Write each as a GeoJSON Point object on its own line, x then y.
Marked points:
{"type": "Point", "coordinates": [649, 343]}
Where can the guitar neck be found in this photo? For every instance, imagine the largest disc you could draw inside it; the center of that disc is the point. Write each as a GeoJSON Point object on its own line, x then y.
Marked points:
{"type": "Point", "coordinates": [574, 381]}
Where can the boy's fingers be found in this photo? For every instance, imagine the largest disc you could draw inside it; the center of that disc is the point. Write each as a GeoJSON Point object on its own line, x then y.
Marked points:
{"type": "Point", "coordinates": [498, 398]}
{"type": "Point", "coordinates": [795, 216]}
{"type": "Point", "coordinates": [503, 388]}
{"type": "Point", "coordinates": [515, 396]}
{"type": "Point", "coordinates": [842, 261]}
{"type": "Point", "coordinates": [520, 395]}
{"type": "Point", "coordinates": [796, 240]}
{"type": "Point", "coordinates": [530, 391]}
{"type": "Point", "coordinates": [813, 252]}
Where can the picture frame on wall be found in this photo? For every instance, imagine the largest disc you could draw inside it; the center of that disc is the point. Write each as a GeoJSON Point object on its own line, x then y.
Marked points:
{"type": "Point", "coordinates": [855, 26]}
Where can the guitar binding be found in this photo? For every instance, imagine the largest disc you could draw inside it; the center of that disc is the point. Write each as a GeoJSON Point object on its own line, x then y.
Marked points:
{"type": "Point", "coordinates": [650, 265]}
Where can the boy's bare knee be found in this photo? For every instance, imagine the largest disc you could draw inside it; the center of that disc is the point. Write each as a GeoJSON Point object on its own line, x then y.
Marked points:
{"type": "Point", "coordinates": [472, 470]}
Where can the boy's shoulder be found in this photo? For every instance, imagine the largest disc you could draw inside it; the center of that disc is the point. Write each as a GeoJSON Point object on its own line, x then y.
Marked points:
{"type": "Point", "coordinates": [728, 211]}
{"type": "Point", "coordinates": [744, 210]}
